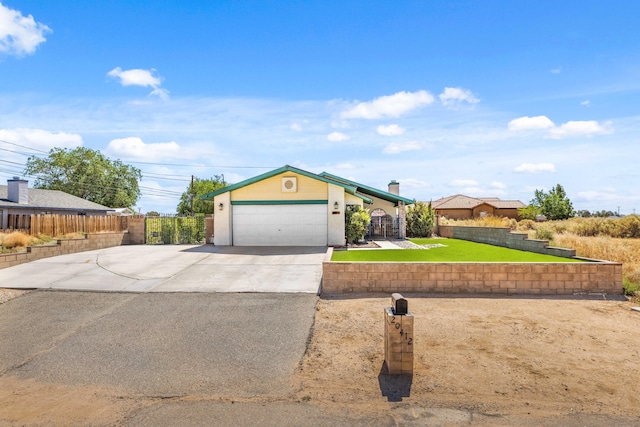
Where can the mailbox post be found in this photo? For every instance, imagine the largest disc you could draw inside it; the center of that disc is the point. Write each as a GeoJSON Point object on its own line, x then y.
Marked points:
{"type": "Point", "coordinates": [398, 336]}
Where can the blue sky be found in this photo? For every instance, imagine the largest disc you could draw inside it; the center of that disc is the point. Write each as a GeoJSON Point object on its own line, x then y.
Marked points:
{"type": "Point", "coordinates": [483, 98]}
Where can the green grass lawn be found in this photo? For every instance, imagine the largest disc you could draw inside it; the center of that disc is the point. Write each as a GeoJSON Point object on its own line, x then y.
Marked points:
{"type": "Point", "coordinates": [454, 251]}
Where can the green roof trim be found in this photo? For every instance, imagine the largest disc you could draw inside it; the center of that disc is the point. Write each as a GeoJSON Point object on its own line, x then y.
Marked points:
{"type": "Point", "coordinates": [279, 202]}
{"type": "Point", "coordinates": [370, 191]}
{"type": "Point", "coordinates": [348, 188]}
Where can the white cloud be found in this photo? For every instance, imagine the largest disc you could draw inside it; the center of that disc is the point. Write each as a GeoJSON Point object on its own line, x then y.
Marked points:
{"type": "Point", "coordinates": [337, 137]}
{"type": "Point", "coordinates": [40, 139]}
{"type": "Point", "coordinates": [296, 126]}
{"type": "Point", "coordinates": [453, 96]}
{"type": "Point", "coordinates": [344, 166]}
{"type": "Point", "coordinates": [596, 196]}
{"type": "Point", "coordinates": [535, 168]}
{"type": "Point", "coordinates": [463, 183]}
{"type": "Point", "coordinates": [557, 70]}
{"type": "Point", "coordinates": [20, 35]}
{"type": "Point", "coordinates": [578, 128]}
{"type": "Point", "coordinates": [413, 183]}
{"type": "Point", "coordinates": [526, 123]}
{"type": "Point", "coordinates": [566, 130]}
{"type": "Point", "coordinates": [389, 106]}
{"type": "Point", "coordinates": [399, 147]}
{"type": "Point", "coordinates": [390, 130]}
{"type": "Point", "coordinates": [586, 103]}
{"type": "Point", "coordinates": [135, 148]}
{"type": "Point", "coordinates": [498, 185]}
{"type": "Point", "coordinates": [139, 77]}
{"type": "Point", "coordinates": [160, 92]}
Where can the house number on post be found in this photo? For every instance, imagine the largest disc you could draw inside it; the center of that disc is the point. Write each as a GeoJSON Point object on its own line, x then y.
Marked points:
{"type": "Point", "coordinates": [398, 337]}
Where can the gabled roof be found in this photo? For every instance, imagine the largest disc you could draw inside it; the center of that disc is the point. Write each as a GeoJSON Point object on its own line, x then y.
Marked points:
{"type": "Point", "coordinates": [460, 201]}
{"type": "Point", "coordinates": [348, 188]}
{"type": "Point", "coordinates": [370, 191]}
{"type": "Point", "coordinates": [50, 199]}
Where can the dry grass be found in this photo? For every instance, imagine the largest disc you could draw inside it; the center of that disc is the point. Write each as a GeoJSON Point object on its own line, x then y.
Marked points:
{"type": "Point", "coordinates": [610, 239]}
{"type": "Point", "coordinates": [487, 221]}
{"type": "Point", "coordinates": [626, 251]}
{"type": "Point", "coordinates": [15, 240]}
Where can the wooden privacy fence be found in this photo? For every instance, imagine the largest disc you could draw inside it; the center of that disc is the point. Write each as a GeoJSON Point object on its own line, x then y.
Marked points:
{"type": "Point", "coordinates": [59, 225]}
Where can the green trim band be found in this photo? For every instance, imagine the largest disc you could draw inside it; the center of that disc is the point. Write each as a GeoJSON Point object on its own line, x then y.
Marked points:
{"type": "Point", "coordinates": [279, 202]}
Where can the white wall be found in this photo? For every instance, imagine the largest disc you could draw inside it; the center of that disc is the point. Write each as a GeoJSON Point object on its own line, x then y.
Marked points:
{"type": "Point", "coordinates": [335, 221]}
{"type": "Point", "coordinates": [222, 220]}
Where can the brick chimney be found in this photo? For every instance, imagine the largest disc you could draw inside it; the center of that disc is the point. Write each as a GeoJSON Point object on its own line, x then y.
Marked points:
{"type": "Point", "coordinates": [18, 190]}
{"type": "Point", "coordinates": [394, 187]}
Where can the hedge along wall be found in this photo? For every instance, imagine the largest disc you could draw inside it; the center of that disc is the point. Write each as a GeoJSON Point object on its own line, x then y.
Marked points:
{"type": "Point", "coordinates": [472, 278]}
{"type": "Point", "coordinates": [503, 237]}
{"type": "Point", "coordinates": [91, 242]}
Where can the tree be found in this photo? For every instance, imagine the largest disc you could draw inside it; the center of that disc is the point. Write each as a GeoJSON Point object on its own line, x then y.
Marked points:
{"type": "Point", "coordinates": [421, 219]}
{"type": "Point", "coordinates": [88, 174]}
{"type": "Point", "coordinates": [583, 213]}
{"type": "Point", "coordinates": [554, 205]}
{"type": "Point", "coordinates": [200, 188]}
{"type": "Point", "coordinates": [357, 223]}
{"type": "Point", "coordinates": [529, 212]}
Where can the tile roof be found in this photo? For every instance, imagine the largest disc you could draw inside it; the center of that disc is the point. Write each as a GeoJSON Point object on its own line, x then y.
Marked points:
{"type": "Point", "coordinates": [51, 199]}
{"type": "Point", "coordinates": [460, 201]}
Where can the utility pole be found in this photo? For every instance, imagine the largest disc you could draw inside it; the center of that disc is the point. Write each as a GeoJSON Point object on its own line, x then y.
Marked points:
{"type": "Point", "coordinates": [192, 195]}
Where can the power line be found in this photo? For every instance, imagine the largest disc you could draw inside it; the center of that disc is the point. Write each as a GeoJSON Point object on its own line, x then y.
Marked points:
{"type": "Point", "coordinates": [23, 146]}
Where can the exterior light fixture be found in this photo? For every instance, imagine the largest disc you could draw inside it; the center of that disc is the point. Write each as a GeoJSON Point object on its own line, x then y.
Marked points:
{"type": "Point", "coordinates": [220, 206]}
{"type": "Point", "coordinates": [336, 206]}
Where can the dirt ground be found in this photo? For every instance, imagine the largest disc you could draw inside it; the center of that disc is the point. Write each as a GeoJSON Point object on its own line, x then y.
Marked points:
{"type": "Point", "coordinates": [535, 357]}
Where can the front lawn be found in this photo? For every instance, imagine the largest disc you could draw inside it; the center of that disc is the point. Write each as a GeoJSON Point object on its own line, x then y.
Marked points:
{"type": "Point", "coordinates": [453, 251]}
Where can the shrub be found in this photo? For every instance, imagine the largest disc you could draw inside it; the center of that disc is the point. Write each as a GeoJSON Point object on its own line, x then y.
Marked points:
{"type": "Point", "coordinates": [421, 219]}
{"type": "Point", "coordinates": [631, 289]}
{"type": "Point", "coordinates": [16, 239]}
{"type": "Point", "coordinates": [544, 233]}
{"type": "Point", "coordinates": [357, 223]}
{"type": "Point", "coordinates": [627, 227]}
{"type": "Point", "coordinates": [526, 224]}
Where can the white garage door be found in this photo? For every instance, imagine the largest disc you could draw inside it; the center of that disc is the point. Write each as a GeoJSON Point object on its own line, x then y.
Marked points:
{"type": "Point", "coordinates": [280, 225]}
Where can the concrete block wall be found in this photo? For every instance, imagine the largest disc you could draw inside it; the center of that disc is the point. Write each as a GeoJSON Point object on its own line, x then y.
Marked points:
{"type": "Point", "coordinates": [502, 237]}
{"type": "Point", "coordinates": [68, 246]}
{"type": "Point", "coordinates": [472, 278]}
{"type": "Point", "coordinates": [135, 226]}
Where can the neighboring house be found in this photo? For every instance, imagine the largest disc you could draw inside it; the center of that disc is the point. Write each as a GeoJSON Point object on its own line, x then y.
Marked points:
{"type": "Point", "coordinates": [462, 207]}
{"type": "Point", "coordinates": [122, 212]}
{"type": "Point", "coordinates": [292, 207]}
{"type": "Point", "coordinates": [17, 199]}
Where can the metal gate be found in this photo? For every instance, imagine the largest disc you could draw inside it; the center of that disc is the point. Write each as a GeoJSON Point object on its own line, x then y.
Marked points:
{"type": "Point", "coordinates": [384, 227]}
{"type": "Point", "coordinates": [174, 230]}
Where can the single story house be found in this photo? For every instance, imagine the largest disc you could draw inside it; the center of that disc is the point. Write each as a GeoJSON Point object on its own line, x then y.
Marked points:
{"type": "Point", "coordinates": [292, 207]}
{"type": "Point", "coordinates": [18, 200]}
{"type": "Point", "coordinates": [122, 212]}
{"type": "Point", "coordinates": [463, 207]}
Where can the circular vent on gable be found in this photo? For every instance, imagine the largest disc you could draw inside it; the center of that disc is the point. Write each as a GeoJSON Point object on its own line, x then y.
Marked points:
{"type": "Point", "coordinates": [289, 184]}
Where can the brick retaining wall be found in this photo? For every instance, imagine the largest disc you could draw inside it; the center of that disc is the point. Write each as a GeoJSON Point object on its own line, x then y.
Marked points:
{"type": "Point", "coordinates": [91, 242]}
{"type": "Point", "coordinates": [472, 277]}
{"type": "Point", "coordinates": [502, 237]}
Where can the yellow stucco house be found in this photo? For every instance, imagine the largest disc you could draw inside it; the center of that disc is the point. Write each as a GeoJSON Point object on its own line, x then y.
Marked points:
{"type": "Point", "coordinates": [292, 207]}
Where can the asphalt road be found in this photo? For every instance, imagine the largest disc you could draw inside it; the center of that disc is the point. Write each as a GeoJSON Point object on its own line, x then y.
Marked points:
{"type": "Point", "coordinates": [158, 344]}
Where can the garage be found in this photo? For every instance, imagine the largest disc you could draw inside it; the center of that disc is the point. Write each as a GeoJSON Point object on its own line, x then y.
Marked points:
{"type": "Point", "coordinates": [280, 225]}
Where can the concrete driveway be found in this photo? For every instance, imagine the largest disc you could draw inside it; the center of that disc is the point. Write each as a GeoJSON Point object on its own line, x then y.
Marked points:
{"type": "Point", "coordinates": [175, 268]}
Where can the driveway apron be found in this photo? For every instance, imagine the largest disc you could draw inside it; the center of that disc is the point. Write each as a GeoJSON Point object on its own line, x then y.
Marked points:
{"type": "Point", "coordinates": [175, 268]}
